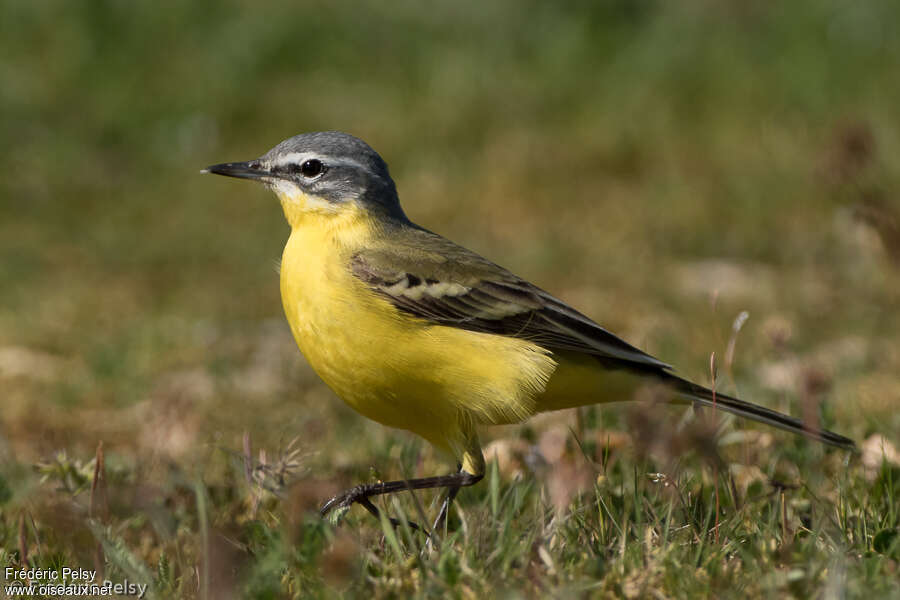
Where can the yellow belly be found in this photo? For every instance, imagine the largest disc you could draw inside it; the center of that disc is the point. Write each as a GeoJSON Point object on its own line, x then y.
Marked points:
{"type": "Point", "coordinates": [395, 369]}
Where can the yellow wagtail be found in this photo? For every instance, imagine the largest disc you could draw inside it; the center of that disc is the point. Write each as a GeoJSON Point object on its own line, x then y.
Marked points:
{"type": "Point", "coordinates": [416, 332]}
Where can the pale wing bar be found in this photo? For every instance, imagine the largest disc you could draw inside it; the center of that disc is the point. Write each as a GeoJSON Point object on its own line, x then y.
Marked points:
{"type": "Point", "coordinates": [507, 305]}
{"type": "Point", "coordinates": [510, 307]}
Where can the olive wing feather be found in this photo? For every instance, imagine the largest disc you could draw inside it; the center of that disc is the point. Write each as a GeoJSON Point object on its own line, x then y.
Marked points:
{"type": "Point", "coordinates": [434, 279]}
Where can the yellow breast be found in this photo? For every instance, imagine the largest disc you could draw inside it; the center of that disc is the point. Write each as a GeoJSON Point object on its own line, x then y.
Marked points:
{"type": "Point", "coordinates": [398, 370]}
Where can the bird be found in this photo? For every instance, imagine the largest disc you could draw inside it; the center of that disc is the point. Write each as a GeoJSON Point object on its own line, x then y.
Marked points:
{"type": "Point", "coordinates": [418, 333]}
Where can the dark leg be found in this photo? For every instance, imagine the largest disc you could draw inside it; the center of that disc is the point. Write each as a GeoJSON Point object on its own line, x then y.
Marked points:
{"type": "Point", "coordinates": [470, 472]}
{"type": "Point", "coordinates": [445, 505]}
{"type": "Point", "coordinates": [445, 508]}
{"type": "Point", "coordinates": [373, 510]}
{"type": "Point", "coordinates": [361, 493]}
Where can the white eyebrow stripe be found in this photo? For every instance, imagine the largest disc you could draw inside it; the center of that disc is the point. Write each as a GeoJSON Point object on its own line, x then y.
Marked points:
{"type": "Point", "coordinates": [298, 158]}
{"type": "Point", "coordinates": [295, 158]}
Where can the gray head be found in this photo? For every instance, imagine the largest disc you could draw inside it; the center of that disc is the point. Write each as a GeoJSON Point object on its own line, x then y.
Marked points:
{"type": "Point", "coordinates": [322, 170]}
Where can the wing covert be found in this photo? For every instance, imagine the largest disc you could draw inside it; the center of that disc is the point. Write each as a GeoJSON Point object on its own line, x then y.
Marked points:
{"type": "Point", "coordinates": [451, 286]}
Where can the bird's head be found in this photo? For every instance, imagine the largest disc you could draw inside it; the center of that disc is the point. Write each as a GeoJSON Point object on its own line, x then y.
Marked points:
{"type": "Point", "coordinates": [326, 173]}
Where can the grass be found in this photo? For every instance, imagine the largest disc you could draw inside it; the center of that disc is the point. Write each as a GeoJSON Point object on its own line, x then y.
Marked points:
{"type": "Point", "coordinates": [663, 168]}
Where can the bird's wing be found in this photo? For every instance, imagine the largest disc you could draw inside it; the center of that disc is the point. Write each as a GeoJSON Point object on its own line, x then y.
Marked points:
{"type": "Point", "coordinates": [426, 275]}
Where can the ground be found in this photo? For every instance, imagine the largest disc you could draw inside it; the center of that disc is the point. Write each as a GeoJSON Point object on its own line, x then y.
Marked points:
{"type": "Point", "coordinates": [667, 169]}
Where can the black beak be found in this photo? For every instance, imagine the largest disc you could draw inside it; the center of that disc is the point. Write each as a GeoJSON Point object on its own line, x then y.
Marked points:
{"type": "Point", "coordinates": [244, 170]}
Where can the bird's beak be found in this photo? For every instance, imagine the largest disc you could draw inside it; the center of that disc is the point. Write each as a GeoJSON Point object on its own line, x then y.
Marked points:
{"type": "Point", "coordinates": [244, 170]}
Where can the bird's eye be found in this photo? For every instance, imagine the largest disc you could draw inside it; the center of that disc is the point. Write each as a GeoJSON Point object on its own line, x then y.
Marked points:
{"type": "Point", "coordinates": [312, 168]}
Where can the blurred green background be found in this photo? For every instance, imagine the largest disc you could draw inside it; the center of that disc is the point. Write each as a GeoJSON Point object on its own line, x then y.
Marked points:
{"type": "Point", "coordinates": [662, 166]}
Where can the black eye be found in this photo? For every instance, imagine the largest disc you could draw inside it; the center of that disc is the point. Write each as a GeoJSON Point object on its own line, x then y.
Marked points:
{"type": "Point", "coordinates": [312, 168]}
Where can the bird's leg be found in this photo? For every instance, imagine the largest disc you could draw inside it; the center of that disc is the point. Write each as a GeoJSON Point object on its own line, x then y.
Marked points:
{"type": "Point", "coordinates": [395, 523]}
{"type": "Point", "coordinates": [361, 493]}
{"type": "Point", "coordinates": [445, 505]}
{"type": "Point", "coordinates": [470, 472]}
{"type": "Point", "coordinates": [473, 462]}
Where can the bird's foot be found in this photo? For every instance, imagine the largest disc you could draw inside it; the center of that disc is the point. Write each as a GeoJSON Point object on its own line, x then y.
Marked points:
{"type": "Point", "coordinates": [344, 500]}
{"type": "Point", "coordinates": [338, 505]}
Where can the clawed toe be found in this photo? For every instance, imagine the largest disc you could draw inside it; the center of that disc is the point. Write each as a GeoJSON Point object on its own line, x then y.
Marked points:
{"type": "Point", "coordinates": [361, 495]}
{"type": "Point", "coordinates": [342, 500]}
{"type": "Point", "coordinates": [357, 495]}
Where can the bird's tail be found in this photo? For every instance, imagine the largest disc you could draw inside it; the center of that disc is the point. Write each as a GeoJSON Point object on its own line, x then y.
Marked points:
{"type": "Point", "coordinates": [704, 396]}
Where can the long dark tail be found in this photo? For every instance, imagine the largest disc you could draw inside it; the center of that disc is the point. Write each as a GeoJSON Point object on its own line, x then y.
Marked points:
{"type": "Point", "coordinates": [704, 396]}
